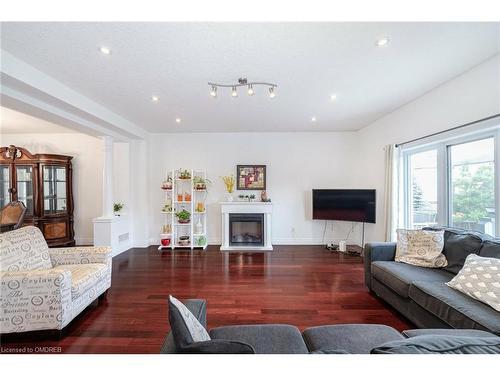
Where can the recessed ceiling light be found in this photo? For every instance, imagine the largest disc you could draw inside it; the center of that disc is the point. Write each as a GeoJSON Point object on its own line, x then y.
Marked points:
{"type": "Point", "coordinates": [155, 98]}
{"type": "Point", "coordinates": [382, 42]}
{"type": "Point", "coordinates": [333, 97]}
{"type": "Point", "coordinates": [105, 50]}
{"type": "Point", "coordinates": [313, 119]}
{"type": "Point", "coordinates": [178, 120]}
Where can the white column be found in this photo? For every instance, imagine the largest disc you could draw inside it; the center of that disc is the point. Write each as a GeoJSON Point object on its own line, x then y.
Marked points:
{"type": "Point", "coordinates": [107, 178]}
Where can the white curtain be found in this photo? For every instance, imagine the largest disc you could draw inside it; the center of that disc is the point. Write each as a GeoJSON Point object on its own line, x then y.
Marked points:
{"type": "Point", "coordinates": [391, 197]}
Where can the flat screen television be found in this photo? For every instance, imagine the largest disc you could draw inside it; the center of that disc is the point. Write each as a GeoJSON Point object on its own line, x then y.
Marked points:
{"type": "Point", "coordinates": [344, 204]}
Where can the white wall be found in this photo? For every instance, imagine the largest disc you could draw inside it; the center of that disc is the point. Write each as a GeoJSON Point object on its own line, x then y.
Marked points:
{"type": "Point", "coordinates": [296, 163]}
{"type": "Point", "coordinates": [87, 152]}
{"type": "Point", "coordinates": [469, 97]}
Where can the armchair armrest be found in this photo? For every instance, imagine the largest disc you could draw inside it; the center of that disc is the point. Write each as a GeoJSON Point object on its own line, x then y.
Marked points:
{"type": "Point", "coordinates": [375, 251]}
{"type": "Point", "coordinates": [80, 255]}
{"type": "Point", "coordinates": [34, 300]}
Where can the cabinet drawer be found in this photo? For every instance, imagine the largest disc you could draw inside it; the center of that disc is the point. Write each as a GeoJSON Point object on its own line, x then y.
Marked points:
{"type": "Point", "coordinates": [55, 230]}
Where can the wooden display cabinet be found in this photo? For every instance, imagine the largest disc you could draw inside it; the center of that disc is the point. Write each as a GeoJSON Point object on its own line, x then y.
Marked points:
{"type": "Point", "coordinates": [43, 182]}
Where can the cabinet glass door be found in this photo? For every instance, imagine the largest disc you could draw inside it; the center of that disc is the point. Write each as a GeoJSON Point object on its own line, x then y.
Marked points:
{"type": "Point", "coordinates": [24, 177]}
{"type": "Point", "coordinates": [54, 189]}
{"type": "Point", "coordinates": [4, 185]}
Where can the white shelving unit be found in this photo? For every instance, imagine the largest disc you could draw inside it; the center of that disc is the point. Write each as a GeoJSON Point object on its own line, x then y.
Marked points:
{"type": "Point", "coordinates": [183, 195]}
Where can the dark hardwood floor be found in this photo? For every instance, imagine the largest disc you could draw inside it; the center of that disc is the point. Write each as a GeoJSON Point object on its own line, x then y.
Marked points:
{"type": "Point", "coordinates": [300, 285]}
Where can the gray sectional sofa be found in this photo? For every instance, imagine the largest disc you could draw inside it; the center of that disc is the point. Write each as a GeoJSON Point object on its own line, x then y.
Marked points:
{"type": "Point", "coordinates": [421, 295]}
{"type": "Point", "coordinates": [329, 339]}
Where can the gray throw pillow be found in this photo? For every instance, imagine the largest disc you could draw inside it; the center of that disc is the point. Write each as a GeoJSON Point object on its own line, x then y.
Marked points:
{"type": "Point", "coordinates": [480, 279]}
{"type": "Point", "coordinates": [490, 249]}
{"type": "Point", "coordinates": [186, 329]}
{"type": "Point", "coordinates": [439, 344]}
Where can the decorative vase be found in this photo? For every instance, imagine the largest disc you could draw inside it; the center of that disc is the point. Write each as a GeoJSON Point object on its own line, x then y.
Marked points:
{"type": "Point", "coordinates": [199, 227]}
{"type": "Point", "coordinates": [229, 197]}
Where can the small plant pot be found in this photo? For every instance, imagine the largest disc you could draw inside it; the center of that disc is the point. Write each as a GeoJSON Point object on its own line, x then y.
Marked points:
{"type": "Point", "coordinates": [184, 221]}
{"type": "Point", "coordinates": [184, 240]}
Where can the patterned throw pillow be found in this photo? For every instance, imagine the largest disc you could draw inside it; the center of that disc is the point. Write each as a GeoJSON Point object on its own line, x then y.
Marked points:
{"type": "Point", "coordinates": [421, 248]}
{"type": "Point", "coordinates": [194, 327]}
{"type": "Point", "coordinates": [480, 279]}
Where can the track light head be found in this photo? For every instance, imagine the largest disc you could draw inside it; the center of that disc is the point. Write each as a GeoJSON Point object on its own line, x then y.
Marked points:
{"type": "Point", "coordinates": [234, 93]}
{"type": "Point", "coordinates": [213, 93]}
{"type": "Point", "coordinates": [272, 93]}
{"type": "Point", "coordinates": [250, 90]}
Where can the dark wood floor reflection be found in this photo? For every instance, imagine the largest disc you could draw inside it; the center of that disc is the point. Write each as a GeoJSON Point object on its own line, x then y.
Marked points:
{"type": "Point", "coordinates": [300, 285]}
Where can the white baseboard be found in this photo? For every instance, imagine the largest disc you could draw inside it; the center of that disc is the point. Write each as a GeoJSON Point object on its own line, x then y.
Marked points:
{"type": "Point", "coordinates": [278, 241]}
{"type": "Point", "coordinates": [80, 241]}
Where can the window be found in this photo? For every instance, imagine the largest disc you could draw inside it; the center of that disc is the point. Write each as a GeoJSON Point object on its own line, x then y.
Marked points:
{"type": "Point", "coordinates": [452, 183]}
{"type": "Point", "coordinates": [472, 185]}
{"type": "Point", "coordinates": [422, 189]}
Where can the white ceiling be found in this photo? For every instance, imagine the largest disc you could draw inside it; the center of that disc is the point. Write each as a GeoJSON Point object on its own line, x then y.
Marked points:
{"type": "Point", "coordinates": [308, 61]}
{"type": "Point", "coordinates": [14, 122]}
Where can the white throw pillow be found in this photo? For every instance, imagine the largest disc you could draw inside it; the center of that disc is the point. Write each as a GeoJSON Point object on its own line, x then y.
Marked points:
{"type": "Point", "coordinates": [195, 328]}
{"type": "Point", "coordinates": [421, 248]}
{"type": "Point", "coordinates": [479, 278]}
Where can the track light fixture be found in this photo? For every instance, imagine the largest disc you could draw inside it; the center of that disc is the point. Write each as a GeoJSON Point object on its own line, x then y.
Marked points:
{"type": "Point", "coordinates": [243, 82]}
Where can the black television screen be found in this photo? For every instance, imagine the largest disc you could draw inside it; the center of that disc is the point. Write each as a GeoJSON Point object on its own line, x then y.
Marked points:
{"type": "Point", "coordinates": [344, 205]}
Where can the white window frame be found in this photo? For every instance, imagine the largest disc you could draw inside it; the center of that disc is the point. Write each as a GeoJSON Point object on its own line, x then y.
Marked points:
{"type": "Point", "coordinates": [444, 175]}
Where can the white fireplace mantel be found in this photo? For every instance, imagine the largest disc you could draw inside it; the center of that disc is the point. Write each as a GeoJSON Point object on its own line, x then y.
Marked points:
{"type": "Point", "coordinates": [265, 208]}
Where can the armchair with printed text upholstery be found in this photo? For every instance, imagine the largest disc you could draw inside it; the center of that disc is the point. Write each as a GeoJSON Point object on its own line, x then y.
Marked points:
{"type": "Point", "coordinates": [45, 289]}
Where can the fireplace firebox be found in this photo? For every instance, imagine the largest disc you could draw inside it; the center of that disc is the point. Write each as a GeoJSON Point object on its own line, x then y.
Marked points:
{"type": "Point", "coordinates": [246, 229]}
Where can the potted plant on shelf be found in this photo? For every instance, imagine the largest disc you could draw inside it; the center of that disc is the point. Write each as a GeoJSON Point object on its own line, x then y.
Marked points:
{"type": "Point", "coordinates": [184, 174]}
{"type": "Point", "coordinates": [167, 184]}
{"type": "Point", "coordinates": [183, 217]}
{"type": "Point", "coordinates": [201, 241]}
{"type": "Point", "coordinates": [200, 183]}
{"type": "Point", "coordinates": [117, 207]}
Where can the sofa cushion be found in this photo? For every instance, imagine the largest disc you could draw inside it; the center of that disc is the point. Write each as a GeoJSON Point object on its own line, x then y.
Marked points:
{"type": "Point", "coordinates": [458, 244]}
{"type": "Point", "coordinates": [186, 329]}
{"type": "Point", "coordinates": [352, 338]}
{"type": "Point", "coordinates": [438, 344]}
{"type": "Point", "coordinates": [84, 276]}
{"type": "Point", "coordinates": [24, 249]}
{"type": "Point", "coordinates": [454, 308]}
{"type": "Point", "coordinates": [490, 249]}
{"type": "Point", "coordinates": [447, 332]}
{"type": "Point", "coordinates": [264, 338]}
{"type": "Point", "coordinates": [399, 276]}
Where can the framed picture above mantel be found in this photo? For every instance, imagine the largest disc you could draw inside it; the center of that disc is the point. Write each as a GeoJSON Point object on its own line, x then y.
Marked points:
{"type": "Point", "coordinates": [251, 177]}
